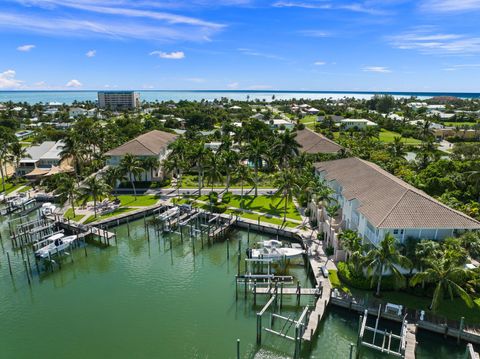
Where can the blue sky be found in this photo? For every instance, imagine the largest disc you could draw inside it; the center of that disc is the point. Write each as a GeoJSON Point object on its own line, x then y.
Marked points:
{"type": "Point", "coordinates": [389, 45]}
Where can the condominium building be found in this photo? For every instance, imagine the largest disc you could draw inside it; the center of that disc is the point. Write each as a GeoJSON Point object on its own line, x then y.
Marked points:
{"type": "Point", "coordinates": [118, 100]}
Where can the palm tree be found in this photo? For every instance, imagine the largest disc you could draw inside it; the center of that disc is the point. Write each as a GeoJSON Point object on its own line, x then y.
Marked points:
{"type": "Point", "coordinates": [397, 148]}
{"type": "Point", "coordinates": [230, 164]}
{"type": "Point", "coordinates": [255, 152]}
{"type": "Point", "coordinates": [285, 184]}
{"type": "Point", "coordinates": [352, 242]}
{"type": "Point", "coordinates": [16, 153]}
{"type": "Point", "coordinates": [71, 151]}
{"type": "Point", "coordinates": [68, 189]}
{"type": "Point", "coordinates": [7, 137]}
{"type": "Point", "coordinates": [243, 174]}
{"type": "Point", "coordinates": [286, 147]}
{"type": "Point", "coordinates": [111, 176]}
{"type": "Point", "coordinates": [384, 258]}
{"type": "Point", "coordinates": [95, 188]}
{"type": "Point", "coordinates": [132, 167]}
{"type": "Point", "coordinates": [149, 164]}
{"type": "Point", "coordinates": [200, 155]}
{"type": "Point", "coordinates": [448, 277]}
{"type": "Point", "coordinates": [214, 173]}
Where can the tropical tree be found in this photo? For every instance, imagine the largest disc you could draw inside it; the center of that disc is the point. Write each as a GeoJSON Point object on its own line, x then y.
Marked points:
{"type": "Point", "coordinates": [397, 148]}
{"type": "Point", "coordinates": [448, 277]}
{"type": "Point", "coordinates": [243, 173]}
{"type": "Point", "coordinates": [255, 152]}
{"type": "Point", "coordinates": [286, 147]}
{"type": "Point", "coordinates": [132, 168]}
{"type": "Point", "coordinates": [68, 190]}
{"type": "Point", "coordinates": [385, 258]}
{"type": "Point", "coordinates": [149, 164]}
{"type": "Point", "coordinates": [111, 176]}
{"type": "Point", "coordinates": [7, 137]}
{"type": "Point", "coordinates": [214, 165]}
{"type": "Point", "coordinates": [285, 184]}
{"type": "Point", "coordinates": [200, 156]}
{"type": "Point", "coordinates": [94, 188]}
{"type": "Point", "coordinates": [352, 242]}
{"type": "Point", "coordinates": [16, 153]}
{"type": "Point", "coordinates": [230, 163]}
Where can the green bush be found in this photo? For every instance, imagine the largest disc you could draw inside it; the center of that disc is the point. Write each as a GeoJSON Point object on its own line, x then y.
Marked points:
{"type": "Point", "coordinates": [227, 197]}
{"type": "Point", "coordinates": [360, 281]}
{"type": "Point", "coordinates": [213, 197]}
{"type": "Point", "coordinates": [219, 209]}
{"type": "Point", "coordinates": [329, 251]}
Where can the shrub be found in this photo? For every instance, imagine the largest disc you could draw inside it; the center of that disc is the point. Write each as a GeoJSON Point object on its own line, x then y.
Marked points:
{"type": "Point", "coordinates": [329, 251]}
{"type": "Point", "coordinates": [227, 197]}
{"type": "Point", "coordinates": [359, 280]}
{"type": "Point", "coordinates": [213, 197]}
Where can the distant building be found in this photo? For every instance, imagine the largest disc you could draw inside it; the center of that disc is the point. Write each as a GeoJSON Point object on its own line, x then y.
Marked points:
{"type": "Point", "coordinates": [118, 100]}
{"type": "Point", "coordinates": [280, 123]}
{"type": "Point", "coordinates": [360, 123]}
{"type": "Point", "coordinates": [42, 158]}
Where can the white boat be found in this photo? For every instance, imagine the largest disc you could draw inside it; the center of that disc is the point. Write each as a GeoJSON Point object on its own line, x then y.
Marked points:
{"type": "Point", "coordinates": [273, 249]}
{"type": "Point", "coordinates": [47, 208]}
{"type": "Point", "coordinates": [172, 212]}
{"type": "Point", "coordinates": [56, 243]}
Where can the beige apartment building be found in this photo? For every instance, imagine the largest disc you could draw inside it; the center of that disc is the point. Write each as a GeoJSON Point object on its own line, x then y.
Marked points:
{"type": "Point", "coordinates": [118, 100]}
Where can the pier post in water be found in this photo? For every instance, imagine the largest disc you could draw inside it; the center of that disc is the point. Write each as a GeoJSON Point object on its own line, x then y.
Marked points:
{"type": "Point", "coordinates": [238, 348]}
{"type": "Point", "coordinates": [9, 264]}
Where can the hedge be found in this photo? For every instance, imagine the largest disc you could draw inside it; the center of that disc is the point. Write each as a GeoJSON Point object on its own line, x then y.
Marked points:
{"type": "Point", "coordinates": [360, 281]}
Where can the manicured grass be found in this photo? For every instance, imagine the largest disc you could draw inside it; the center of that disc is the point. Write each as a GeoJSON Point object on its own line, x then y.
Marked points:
{"type": "Point", "coordinates": [25, 189]}
{"type": "Point", "coordinates": [388, 136]}
{"type": "Point", "coordinates": [309, 121]}
{"type": "Point", "coordinates": [336, 283]}
{"type": "Point", "coordinates": [108, 215]}
{"type": "Point", "coordinates": [10, 186]}
{"type": "Point", "coordinates": [191, 181]}
{"type": "Point", "coordinates": [141, 201]}
{"type": "Point", "coordinates": [69, 215]}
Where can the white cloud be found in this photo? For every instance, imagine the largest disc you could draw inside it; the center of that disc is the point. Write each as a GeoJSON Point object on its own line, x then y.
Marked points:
{"type": "Point", "coordinates": [73, 83]}
{"type": "Point", "coordinates": [450, 5]}
{"type": "Point", "coordinates": [8, 80]}
{"type": "Point", "coordinates": [319, 63]}
{"type": "Point", "coordinates": [175, 55]}
{"type": "Point", "coordinates": [233, 85]}
{"type": "Point", "coordinates": [91, 53]}
{"type": "Point", "coordinates": [462, 67]}
{"type": "Point", "coordinates": [116, 28]}
{"type": "Point", "coordinates": [251, 52]}
{"type": "Point", "coordinates": [25, 48]}
{"type": "Point", "coordinates": [425, 40]}
{"type": "Point", "coordinates": [314, 33]}
{"type": "Point", "coordinates": [378, 69]}
{"type": "Point", "coordinates": [325, 5]}
{"type": "Point", "coordinates": [195, 79]}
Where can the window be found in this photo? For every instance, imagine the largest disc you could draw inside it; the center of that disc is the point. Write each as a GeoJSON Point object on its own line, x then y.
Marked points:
{"type": "Point", "coordinates": [395, 231]}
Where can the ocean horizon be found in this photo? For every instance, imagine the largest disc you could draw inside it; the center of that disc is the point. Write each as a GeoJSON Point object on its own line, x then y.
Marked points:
{"type": "Point", "coordinates": [70, 96]}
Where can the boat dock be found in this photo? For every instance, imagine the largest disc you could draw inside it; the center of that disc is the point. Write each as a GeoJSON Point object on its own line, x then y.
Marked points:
{"type": "Point", "coordinates": [318, 312]}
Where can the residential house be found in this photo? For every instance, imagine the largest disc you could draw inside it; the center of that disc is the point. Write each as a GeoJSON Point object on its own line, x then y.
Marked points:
{"type": "Point", "coordinates": [334, 118]}
{"type": "Point", "coordinates": [314, 143]}
{"type": "Point", "coordinates": [42, 159]}
{"type": "Point", "coordinates": [355, 123]}
{"type": "Point", "coordinates": [75, 112]}
{"type": "Point", "coordinates": [151, 144]}
{"type": "Point", "coordinates": [281, 123]}
{"type": "Point", "coordinates": [374, 202]}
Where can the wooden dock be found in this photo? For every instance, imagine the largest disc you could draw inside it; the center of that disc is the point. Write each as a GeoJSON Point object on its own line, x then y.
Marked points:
{"type": "Point", "coordinates": [288, 291]}
{"type": "Point", "coordinates": [318, 312]}
{"type": "Point", "coordinates": [411, 341]}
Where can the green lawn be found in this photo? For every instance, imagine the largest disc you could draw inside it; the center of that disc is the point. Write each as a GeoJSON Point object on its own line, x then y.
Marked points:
{"type": "Point", "coordinates": [108, 215]}
{"type": "Point", "coordinates": [141, 201]}
{"type": "Point", "coordinates": [69, 215]}
{"type": "Point", "coordinates": [191, 181]}
{"type": "Point", "coordinates": [450, 309]}
{"type": "Point", "coordinates": [309, 121]}
{"type": "Point", "coordinates": [10, 186]}
{"type": "Point", "coordinates": [388, 136]}
{"type": "Point", "coordinates": [25, 189]}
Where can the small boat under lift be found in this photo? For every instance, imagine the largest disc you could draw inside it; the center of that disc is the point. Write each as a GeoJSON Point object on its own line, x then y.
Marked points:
{"type": "Point", "coordinates": [275, 250]}
{"type": "Point", "coordinates": [53, 245]}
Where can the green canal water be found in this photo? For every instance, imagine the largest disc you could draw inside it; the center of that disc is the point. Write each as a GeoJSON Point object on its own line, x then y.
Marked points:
{"type": "Point", "coordinates": [141, 299]}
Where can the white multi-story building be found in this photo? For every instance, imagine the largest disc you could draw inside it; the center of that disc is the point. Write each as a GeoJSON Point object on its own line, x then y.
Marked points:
{"type": "Point", "coordinates": [118, 100]}
{"type": "Point", "coordinates": [374, 202]}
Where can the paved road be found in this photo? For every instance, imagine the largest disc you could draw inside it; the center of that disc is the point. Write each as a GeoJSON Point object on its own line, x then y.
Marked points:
{"type": "Point", "coordinates": [445, 146]}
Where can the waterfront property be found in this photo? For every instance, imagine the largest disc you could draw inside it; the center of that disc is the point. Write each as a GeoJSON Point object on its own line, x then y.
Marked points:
{"type": "Point", "coordinates": [314, 143]}
{"type": "Point", "coordinates": [41, 159]}
{"type": "Point", "coordinates": [374, 203]}
{"type": "Point", "coordinates": [153, 144]}
{"type": "Point", "coordinates": [118, 100]}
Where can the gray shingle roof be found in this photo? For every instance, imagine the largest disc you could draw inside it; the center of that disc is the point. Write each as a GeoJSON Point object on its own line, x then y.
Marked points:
{"type": "Point", "coordinates": [149, 144]}
{"type": "Point", "coordinates": [313, 142]}
{"type": "Point", "coordinates": [387, 201]}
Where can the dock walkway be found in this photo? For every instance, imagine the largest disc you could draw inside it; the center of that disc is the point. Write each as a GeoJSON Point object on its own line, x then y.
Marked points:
{"type": "Point", "coordinates": [318, 312]}
{"type": "Point", "coordinates": [288, 291]}
{"type": "Point", "coordinates": [411, 341]}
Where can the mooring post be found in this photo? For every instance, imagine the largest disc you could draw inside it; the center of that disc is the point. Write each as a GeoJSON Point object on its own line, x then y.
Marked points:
{"type": "Point", "coordinates": [281, 295]}
{"type": "Point", "coordinates": [254, 293]}
{"type": "Point", "coordinates": [238, 263]}
{"type": "Point", "coordinates": [248, 235]}
{"type": "Point", "coordinates": [228, 249]}
{"type": "Point", "coordinates": [351, 351]}
{"type": "Point", "coordinates": [298, 293]}
{"type": "Point", "coordinates": [460, 330]}
{"type": "Point", "coordinates": [236, 287]}
{"type": "Point", "coordinates": [9, 264]}
{"type": "Point", "coordinates": [259, 329]}
{"type": "Point", "coordinates": [238, 348]}
{"type": "Point", "coordinates": [26, 271]}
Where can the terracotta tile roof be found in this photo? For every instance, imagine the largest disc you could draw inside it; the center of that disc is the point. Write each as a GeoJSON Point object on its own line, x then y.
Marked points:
{"type": "Point", "coordinates": [149, 144]}
{"type": "Point", "coordinates": [313, 142]}
{"type": "Point", "coordinates": [387, 201]}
